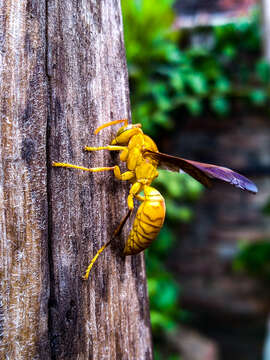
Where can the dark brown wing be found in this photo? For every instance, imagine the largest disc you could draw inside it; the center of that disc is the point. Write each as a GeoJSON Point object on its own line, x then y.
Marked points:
{"type": "Point", "coordinates": [204, 173]}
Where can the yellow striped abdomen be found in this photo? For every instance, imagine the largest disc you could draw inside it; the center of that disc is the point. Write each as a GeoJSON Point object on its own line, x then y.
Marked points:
{"type": "Point", "coordinates": [148, 222]}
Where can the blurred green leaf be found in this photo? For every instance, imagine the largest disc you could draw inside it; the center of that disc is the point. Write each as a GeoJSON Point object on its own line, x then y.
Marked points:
{"type": "Point", "coordinates": [255, 259]}
{"type": "Point", "coordinates": [197, 82]}
{"type": "Point", "coordinates": [161, 321]}
{"type": "Point", "coordinates": [266, 208]}
{"type": "Point", "coordinates": [220, 105]}
{"type": "Point", "coordinates": [229, 51]}
{"type": "Point", "coordinates": [222, 85]}
{"type": "Point", "coordinates": [174, 357]}
{"type": "Point", "coordinates": [258, 97]}
{"type": "Point", "coordinates": [165, 241]}
{"type": "Point", "coordinates": [194, 106]}
{"type": "Point", "coordinates": [178, 213]}
{"type": "Point", "coordinates": [263, 71]}
{"type": "Point", "coordinates": [193, 188]}
{"type": "Point", "coordinates": [169, 295]}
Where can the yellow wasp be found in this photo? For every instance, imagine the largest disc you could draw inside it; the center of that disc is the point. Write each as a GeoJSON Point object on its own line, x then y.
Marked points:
{"type": "Point", "coordinates": [142, 157]}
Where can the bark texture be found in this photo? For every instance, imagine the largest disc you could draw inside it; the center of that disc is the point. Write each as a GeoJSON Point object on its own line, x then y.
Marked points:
{"type": "Point", "coordinates": [23, 194]}
{"type": "Point", "coordinates": [63, 73]}
{"type": "Point", "coordinates": [265, 4]}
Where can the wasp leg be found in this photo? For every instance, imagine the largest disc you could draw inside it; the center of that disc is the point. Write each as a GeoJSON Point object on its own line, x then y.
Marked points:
{"type": "Point", "coordinates": [123, 149]}
{"type": "Point", "coordinates": [121, 225]}
{"type": "Point", "coordinates": [140, 197]}
{"type": "Point", "coordinates": [128, 175]}
{"type": "Point", "coordinates": [116, 233]}
{"type": "Point", "coordinates": [108, 147]}
{"type": "Point", "coordinates": [124, 154]}
{"type": "Point", "coordinates": [67, 165]}
{"type": "Point", "coordinates": [134, 190]}
{"type": "Point", "coordinates": [86, 275]}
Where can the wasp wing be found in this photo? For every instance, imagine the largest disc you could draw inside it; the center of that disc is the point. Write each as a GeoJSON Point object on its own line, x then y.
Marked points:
{"type": "Point", "coordinates": [204, 173]}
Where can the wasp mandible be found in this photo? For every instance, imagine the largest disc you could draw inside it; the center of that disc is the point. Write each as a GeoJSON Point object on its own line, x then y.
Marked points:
{"type": "Point", "coordinates": [141, 155]}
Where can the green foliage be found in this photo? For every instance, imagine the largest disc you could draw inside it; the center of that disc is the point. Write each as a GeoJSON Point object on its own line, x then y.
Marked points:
{"type": "Point", "coordinates": [163, 289]}
{"type": "Point", "coordinates": [179, 191]}
{"type": "Point", "coordinates": [173, 74]}
{"type": "Point", "coordinates": [254, 259]}
{"type": "Point", "coordinates": [178, 186]}
{"type": "Point", "coordinates": [192, 71]}
{"type": "Point", "coordinates": [266, 208]}
{"type": "Point", "coordinates": [147, 32]}
{"type": "Point", "coordinates": [158, 356]}
{"type": "Point", "coordinates": [149, 43]}
{"type": "Point", "coordinates": [153, 59]}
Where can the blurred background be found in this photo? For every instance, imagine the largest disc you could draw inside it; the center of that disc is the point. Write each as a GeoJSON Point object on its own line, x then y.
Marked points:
{"type": "Point", "coordinates": [200, 84]}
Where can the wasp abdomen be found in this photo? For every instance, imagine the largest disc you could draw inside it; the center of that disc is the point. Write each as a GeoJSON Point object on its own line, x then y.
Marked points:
{"type": "Point", "coordinates": [148, 222]}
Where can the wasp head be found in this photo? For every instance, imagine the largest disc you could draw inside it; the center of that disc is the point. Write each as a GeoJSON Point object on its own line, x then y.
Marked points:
{"type": "Point", "coordinates": [125, 133]}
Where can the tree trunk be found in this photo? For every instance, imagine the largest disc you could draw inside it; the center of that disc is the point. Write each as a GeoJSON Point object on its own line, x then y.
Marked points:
{"type": "Point", "coordinates": [266, 27]}
{"type": "Point", "coordinates": [63, 73]}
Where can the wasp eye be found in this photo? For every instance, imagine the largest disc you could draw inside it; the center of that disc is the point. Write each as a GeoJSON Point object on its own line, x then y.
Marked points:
{"type": "Point", "coordinates": [123, 129]}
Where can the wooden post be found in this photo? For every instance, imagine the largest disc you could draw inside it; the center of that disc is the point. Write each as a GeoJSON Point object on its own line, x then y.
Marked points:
{"type": "Point", "coordinates": [266, 27]}
{"type": "Point", "coordinates": [63, 73]}
{"type": "Point", "coordinates": [24, 273]}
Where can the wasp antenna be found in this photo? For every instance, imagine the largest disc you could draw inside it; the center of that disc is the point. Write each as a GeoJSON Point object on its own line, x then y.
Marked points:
{"type": "Point", "coordinates": [109, 124]}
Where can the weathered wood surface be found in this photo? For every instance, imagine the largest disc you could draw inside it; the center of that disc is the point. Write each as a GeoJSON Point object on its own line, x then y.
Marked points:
{"type": "Point", "coordinates": [23, 193]}
{"type": "Point", "coordinates": [266, 27]}
{"type": "Point", "coordinates": [63, 73]}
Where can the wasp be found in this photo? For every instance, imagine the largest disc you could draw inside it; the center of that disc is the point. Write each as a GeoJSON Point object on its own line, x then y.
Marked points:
{"type": "Point", "coordinates": [142, 158]}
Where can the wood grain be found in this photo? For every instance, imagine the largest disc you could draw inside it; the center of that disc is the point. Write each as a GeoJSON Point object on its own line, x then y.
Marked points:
{"type": "Point", "coordinates": [265, 4]}
{"type": "Point", "coordinates": [23, 193]}
{"type": "Point", "coordinates": [63, 73]}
